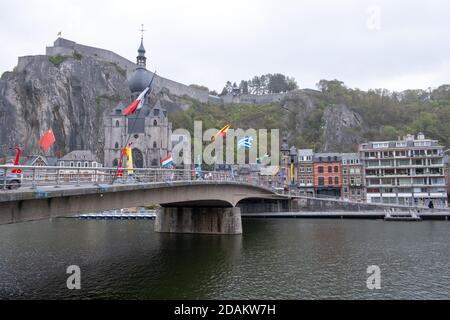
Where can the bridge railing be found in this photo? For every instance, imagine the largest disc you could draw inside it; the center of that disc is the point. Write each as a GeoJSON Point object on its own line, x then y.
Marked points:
{"type": "Point", "coordinates": [53, 176]}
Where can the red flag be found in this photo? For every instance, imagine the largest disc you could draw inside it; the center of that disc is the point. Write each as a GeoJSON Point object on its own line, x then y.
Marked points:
{"type": "Point", "coordinates": [47, 140]}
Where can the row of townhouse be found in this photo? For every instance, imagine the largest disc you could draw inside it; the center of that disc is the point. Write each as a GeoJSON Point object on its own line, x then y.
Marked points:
{"type": "Point", "coordinates": [412, 170]}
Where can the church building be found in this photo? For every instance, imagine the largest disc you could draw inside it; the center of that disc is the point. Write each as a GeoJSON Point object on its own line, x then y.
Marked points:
{"type": "Point", "coordinates": [148, 130]}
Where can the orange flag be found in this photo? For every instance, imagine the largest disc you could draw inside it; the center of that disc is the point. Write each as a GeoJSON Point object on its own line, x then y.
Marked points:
{"type": "Point", "coordinates": [222, 132]}
{"type": "Point", "coordinates": [47, 140]}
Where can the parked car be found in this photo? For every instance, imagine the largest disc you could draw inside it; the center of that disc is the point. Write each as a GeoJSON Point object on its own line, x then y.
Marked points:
{"type": "Point", "coordinates": [12, 181]}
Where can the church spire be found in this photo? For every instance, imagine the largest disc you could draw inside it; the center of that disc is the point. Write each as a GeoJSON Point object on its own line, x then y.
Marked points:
{"type": "Point", "coordinates": [141, 60]}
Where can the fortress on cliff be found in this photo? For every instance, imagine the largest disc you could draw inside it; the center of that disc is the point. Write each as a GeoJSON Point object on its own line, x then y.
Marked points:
{"type": "Point", "coordinates": [66, 47]}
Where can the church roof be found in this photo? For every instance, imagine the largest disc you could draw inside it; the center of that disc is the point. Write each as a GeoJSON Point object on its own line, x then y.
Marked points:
{"type": "Point", "coordinates": [82, 155]}
{"type": "Point", "coordinates": [139, 79]}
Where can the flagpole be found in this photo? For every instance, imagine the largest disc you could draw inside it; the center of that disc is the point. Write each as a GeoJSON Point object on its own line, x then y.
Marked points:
{"type": "Point", "coordinates": [134, 124]}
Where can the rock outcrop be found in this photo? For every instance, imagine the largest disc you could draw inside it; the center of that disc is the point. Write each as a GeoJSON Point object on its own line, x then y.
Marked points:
{"type": "Point", "coordinates": [73, 87]}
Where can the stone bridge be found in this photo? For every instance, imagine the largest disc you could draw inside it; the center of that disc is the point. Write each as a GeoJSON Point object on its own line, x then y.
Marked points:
{"type": "Point", "coordinates": [186, 206]}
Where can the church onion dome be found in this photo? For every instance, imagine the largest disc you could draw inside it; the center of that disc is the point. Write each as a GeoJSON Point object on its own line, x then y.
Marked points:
{"type": "Point", "coordinates": [141, 77]}
{"type": "Point", "coordinates": [139, 80]}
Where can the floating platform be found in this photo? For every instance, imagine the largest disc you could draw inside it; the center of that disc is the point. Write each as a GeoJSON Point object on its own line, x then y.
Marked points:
{"type": "Point", "coordinates": [403, 216]}
{"type": "Point", "coordinates": [113, 215]}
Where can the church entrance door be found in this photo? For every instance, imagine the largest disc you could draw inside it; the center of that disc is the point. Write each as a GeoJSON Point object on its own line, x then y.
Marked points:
{"type": "Point", "coordinates": [138, 159]}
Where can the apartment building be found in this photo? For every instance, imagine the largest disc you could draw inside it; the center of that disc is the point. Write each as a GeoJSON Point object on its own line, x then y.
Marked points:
{"type": "Point", "coordinates": [327, 174]}
{"type": "Point", "coordinates": [352, 177]}
{"type": "Point", "coordinates": [406, 171]}
{"type": "Point", "coordinates": [447, 175]}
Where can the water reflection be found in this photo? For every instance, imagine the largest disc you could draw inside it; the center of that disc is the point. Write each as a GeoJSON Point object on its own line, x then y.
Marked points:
{"type": "Point", "coordinates": [282, 259]}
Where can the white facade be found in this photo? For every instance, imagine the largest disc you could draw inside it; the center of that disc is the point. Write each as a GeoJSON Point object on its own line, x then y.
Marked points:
{"type": "Point", "coordinates": [410, 172]}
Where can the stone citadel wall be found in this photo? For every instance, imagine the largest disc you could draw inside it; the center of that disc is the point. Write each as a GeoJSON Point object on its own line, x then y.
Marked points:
{"type": "Point", "coordinates": [66, 47]}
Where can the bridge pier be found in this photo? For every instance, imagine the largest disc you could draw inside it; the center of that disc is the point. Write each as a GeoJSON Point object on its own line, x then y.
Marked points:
{"type": "Point", "coordinates": [200, 220]}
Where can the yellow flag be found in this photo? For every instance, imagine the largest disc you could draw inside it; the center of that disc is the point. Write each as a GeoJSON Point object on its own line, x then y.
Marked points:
{"type": "Point", "coordinates": [129, 156]}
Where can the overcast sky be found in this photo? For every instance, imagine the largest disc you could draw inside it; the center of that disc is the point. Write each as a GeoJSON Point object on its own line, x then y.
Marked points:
{"type": "Point", "coordinates": [367, 44]}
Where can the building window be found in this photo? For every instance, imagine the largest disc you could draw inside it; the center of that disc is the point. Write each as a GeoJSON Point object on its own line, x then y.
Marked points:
{"type": "Point", "coordinates": [155, 145]}
{"type": "Point", "coordinates": [155, 123]}
{"type": "Point", "coordinates": [117, 123]}
{"type": "Point", "coordinates": [321, 181]}
{"type": "Point", "coordinates": [309, 169]}
{"type": "Point", "coordinates": [61, 164]}
{"type": "Point", "coordinates": [336, 180]}
{"type": "Point", "coordinates": [115, 163]}
{"type": "Point", "coordinates": [116, 146]}
{"type": "Point", "coordinates": [86, 164]}
{"type": "Point", "coordinates": [336, 169]}
{"type": "Point", "coordinates": [330, 181]}
{"type": "Point", "coordinates": [320, 169]}
{"type": "Point", "coordinates": [330, 169]}
{"type": "Point", "coordinates": [79, 164]}
{"type": "Point", "coordinates": [72, 164]}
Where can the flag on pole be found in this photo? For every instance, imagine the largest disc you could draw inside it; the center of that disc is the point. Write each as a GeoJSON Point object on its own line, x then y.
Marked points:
{"type": "Point", "coordinates": [223, 132]}
{"type": "Point", "coordinates": [138, 103]}
{"type": "Point", "coordinates": [167, 162]}
{"type": "Point", "coordinates": [246, 143]}
{"type": "Point", "coordinates": [129, 154]}
{"type": "Point", "coordinates": [47, 140]}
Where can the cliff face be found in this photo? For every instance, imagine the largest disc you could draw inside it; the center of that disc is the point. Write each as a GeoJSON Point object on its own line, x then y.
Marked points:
{"type": "Point", "coordinates": [71, 97]}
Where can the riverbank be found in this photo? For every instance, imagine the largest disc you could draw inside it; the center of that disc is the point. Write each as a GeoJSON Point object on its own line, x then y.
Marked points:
{"type": "Point", "coordinates": [442, 215]}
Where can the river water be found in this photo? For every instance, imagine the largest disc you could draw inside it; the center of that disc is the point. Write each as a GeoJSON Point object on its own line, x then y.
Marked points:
{"type": "Point", "coordinates": [274, 259]}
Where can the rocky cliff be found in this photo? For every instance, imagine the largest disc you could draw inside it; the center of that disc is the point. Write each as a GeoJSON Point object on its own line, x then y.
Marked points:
{"type": "Point", "coordinates": [72, 94]}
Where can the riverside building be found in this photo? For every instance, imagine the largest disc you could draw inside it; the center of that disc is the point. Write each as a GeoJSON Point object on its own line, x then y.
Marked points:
{"type": "Point", "coordinates": [352, 177]}
{"type": "Point", "coordinates": [409, 171]}
{"type": "Point", "coordinates": [305, 174]}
